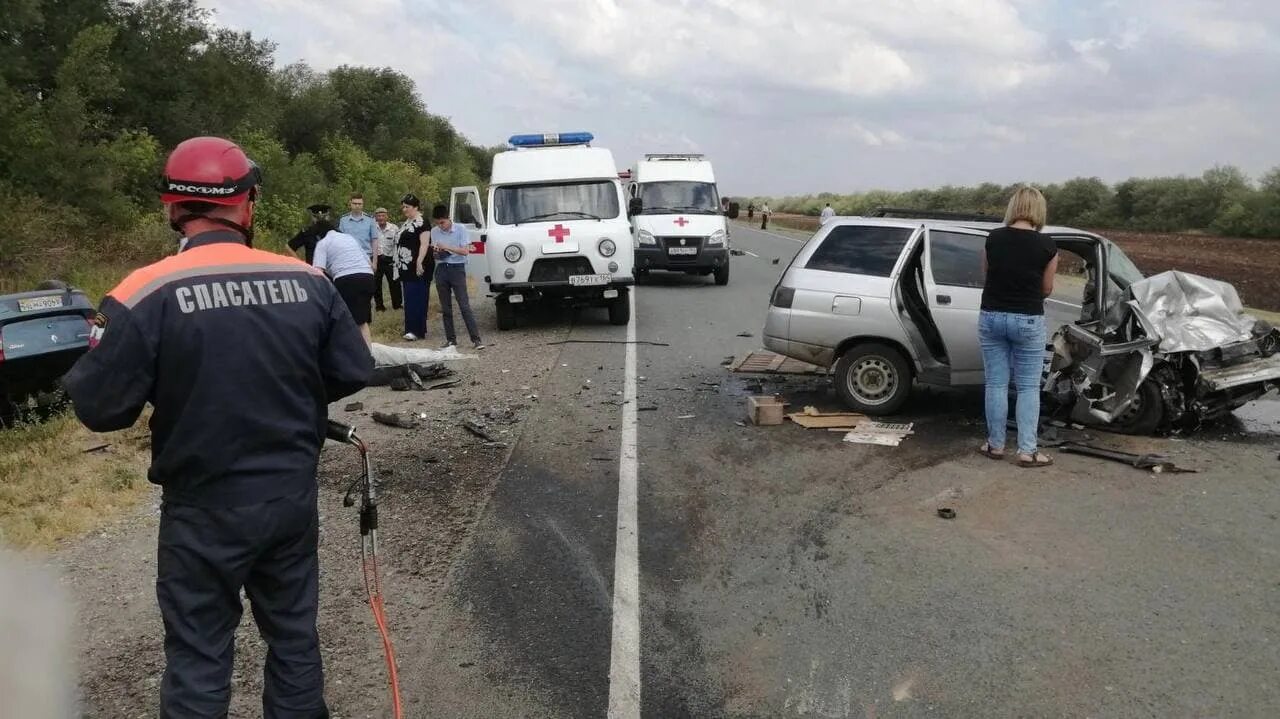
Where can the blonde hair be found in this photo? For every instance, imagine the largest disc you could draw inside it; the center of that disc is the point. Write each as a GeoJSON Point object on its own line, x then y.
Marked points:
{"type": "Point", "coordinates": [1028, 204]}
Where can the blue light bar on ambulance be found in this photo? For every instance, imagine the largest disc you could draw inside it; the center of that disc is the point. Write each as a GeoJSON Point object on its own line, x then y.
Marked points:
{"type": "Point", "coordinates": [550, 139]}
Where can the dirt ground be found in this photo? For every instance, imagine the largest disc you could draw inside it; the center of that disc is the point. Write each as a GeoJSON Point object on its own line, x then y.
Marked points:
{"type": "Point", "coordinates": [1246, 263]}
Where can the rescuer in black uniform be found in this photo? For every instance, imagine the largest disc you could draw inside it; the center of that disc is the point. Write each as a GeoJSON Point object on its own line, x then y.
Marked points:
{"type": "Point", "coordinates": [239, 352]}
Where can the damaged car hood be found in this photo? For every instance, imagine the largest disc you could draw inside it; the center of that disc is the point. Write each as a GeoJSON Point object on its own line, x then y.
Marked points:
{"type": "Point", "coordinates": [1189, 313]}
{"type": "Point", "coordinates": [1189, 335]}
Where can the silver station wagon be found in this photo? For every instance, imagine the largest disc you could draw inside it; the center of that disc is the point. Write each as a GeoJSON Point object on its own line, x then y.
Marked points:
{"type": "Point", "coordinates": [887, 302]}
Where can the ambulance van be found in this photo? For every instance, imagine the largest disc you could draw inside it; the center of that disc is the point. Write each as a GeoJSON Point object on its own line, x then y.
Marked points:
{"type": "Point", "coordinates": [556, 229]}
{"type": "Point", "coordinates": [677, 219]}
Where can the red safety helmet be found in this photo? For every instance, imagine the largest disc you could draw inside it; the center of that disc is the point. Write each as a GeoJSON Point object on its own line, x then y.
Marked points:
{"type": "Point", "coordinates": [209, 169]}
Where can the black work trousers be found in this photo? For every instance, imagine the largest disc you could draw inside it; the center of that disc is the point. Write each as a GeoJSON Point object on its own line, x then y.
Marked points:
{"type": "Point", "coordinates": [205, 557]}
{"type": "Point", "coordinates": [381, 272]}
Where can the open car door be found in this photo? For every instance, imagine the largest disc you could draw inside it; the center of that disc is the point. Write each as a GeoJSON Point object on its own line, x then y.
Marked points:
{"type": "Point", "coordinates": [953, 292]}
{"type": "Point", "coordinates": [466, 210]}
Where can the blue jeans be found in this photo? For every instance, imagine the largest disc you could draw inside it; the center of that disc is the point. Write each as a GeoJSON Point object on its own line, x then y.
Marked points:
{"type": "Point", "coordinates": [1012, 344]}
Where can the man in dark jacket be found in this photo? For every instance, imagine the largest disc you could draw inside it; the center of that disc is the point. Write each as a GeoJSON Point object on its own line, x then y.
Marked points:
{"type": "Point", "coordinates": [310, 235]}
{"type": "Point", "coordinates": [239, 352]}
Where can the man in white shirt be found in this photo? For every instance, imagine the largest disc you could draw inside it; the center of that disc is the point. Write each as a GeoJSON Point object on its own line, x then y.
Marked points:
{"type": "Point", "coordinates": [388, 233]}
{"type": "Point", "coordinates": [827, 214]}
{"type": "Point", "coordinates": [343, 258]}
{"type": "Point", "coordinates": [764, 216]}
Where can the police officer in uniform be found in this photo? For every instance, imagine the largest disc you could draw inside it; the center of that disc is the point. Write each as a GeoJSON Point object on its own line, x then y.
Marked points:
{"type": "Point", "coordinates": [310, 235]}
{"type": "Point", "coordinates": [239, 351]}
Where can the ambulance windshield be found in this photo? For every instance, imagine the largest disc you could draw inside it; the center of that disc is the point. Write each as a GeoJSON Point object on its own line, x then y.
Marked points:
{"type": "Point", "coordinates": [671, 197]}
{"type": "Point", "coordinates": [589, 200]}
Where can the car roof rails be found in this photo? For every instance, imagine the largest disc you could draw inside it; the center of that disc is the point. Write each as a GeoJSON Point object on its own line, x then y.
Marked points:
{"type": "Point", "coordinates": [674, 156]}
{"type": "Point", "coordinates": [909, 214]}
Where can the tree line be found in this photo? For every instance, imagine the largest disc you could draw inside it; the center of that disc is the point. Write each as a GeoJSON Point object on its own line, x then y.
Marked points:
{"type": "Point", "coordinates": [1223, 200]}
{"type": "Point", "coordinates": [94, 93]}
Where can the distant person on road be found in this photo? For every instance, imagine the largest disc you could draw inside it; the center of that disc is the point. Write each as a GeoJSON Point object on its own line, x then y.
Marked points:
{"type": "Point", "coordinates": [342, 258]}
{"type": "Point", "coordinates": [1019, 265]}
{"type": "Point", "coordinates": [388, 232]}
{"type": "Point", "coordinates": [415, 265]}
{"type": "Point", "coordinates": [306, 239]}
{"type": "Point", "coordinates": [751, 211]}
{"type": "Point", "coordinates": [452, 244]}
{"type": "Point", "coordinates": [764, 216]}
{"type": "Point", "coordinates": [362, 227]}
{"type": "Point", "coordinates": [827, 214]}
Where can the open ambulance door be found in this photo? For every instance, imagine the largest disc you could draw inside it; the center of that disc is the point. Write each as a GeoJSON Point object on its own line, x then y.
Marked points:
{"type": "Point", "coordinates": [466, 210]}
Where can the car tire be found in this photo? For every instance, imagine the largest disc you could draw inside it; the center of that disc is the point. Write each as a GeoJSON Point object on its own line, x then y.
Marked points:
{"type": "Point", "coordinates": [1145, 414]}
{"type": "Point", "coordinates": [873, 378]}
{"type": "Point", "coordinates": [722, 275]}
{"type": "Point", "coordinates": [506, 315]}
{"type": "Point", "coordinates": [620, 309]}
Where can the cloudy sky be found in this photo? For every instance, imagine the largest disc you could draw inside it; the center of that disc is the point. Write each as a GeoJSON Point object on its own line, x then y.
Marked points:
{"type": "Point", "coordinates": [838, 95]}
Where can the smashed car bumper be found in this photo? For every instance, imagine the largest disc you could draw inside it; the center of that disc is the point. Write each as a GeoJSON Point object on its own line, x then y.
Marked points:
{"type": "Point", "coordinates": [1188, 335]}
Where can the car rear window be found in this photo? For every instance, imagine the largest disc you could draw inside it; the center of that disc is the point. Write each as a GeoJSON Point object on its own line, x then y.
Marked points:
{"type": "Point", "coordinates": [860, 250]}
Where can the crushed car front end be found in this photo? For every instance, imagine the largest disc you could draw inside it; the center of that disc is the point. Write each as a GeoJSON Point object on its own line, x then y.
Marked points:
{"type": "Point", "coordinates": [1176, 350]}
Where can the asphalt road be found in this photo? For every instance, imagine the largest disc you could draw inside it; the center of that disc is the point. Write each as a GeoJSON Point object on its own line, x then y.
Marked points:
{"type": "Point", "coordinates": [782, 573]}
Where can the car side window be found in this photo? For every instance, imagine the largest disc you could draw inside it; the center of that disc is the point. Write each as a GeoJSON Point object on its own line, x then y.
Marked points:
{"type": "Point", "coordinates": [956, 258]}
{"type": "Point", "coordinates": [860, 250]}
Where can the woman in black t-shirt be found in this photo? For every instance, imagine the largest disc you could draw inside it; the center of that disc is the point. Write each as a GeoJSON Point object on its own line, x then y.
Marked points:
{"type": "Point", "coordinates": [412, 251]}
{"type": "Point", "coordinates": [1019, 265]}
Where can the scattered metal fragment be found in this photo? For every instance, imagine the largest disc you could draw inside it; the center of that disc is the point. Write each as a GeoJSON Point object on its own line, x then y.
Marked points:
{"type": "Point", "coordinates": [745, 334]}
{"type": "Point", "coordinates": [475, 428]}
{"type": "Point", "coordinates": [96, 448]}
{"type": "Point", "coordinates": [647, 409]}
{"type": "Point", "coordinates": [946, 513]}
{"type": "Point", "coordinates": [737, 253]}
{"type": "Point", "coordinates": [354, 407]}
{"type": "Point", "coordinates": [395, 419]}
{"type": "Point", "coordinates": [1157, 463]}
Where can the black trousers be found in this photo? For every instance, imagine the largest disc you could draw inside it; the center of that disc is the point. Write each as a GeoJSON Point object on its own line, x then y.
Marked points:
{"type": "Point", "coordinates": [384, 271]}
{"type": "Point", "coordinates": [205, 557]}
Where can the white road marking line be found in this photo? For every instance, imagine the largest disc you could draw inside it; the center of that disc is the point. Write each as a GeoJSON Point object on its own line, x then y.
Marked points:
{"type": "Point", "coordinates": [774, 234]}
{"type": "Point", "coordinates": [624, 656]}
{"type": "Point", "coordinates": [1072, 305]}
{"type": "Point", "coordinates": [749, 252]}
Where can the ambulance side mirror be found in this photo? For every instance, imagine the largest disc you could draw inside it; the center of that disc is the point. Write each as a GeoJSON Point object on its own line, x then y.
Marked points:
{"type": "Point", "coordinates": [733, 211]}
{"type": "Point", "coordinates": [634, 207]}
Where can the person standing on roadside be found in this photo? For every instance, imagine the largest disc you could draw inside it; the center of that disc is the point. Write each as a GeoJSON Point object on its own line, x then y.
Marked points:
{"type": "Point", "coordinates": [751, 211]}
{"type": "Point", "coordinates": [362, 227]}
{"type": "Point", "coordinates": [387, 235]}
{"type": "Point", "coordinates": [1019, 264]}
{"type": "Point", "coordinates": [306, 239]}
{"type": "Point", "coordinates": [342, 259]}
{"type": "Point", "coordinates": [239, 352]}
{"type": "Point", "coordinates": [415, 265]}
{"type": "Point", "coordinates": [452, 244]}
{"type": "Point", "coordinates": [764, 216]}
{"type": "Point", "coordinates": [827, 214]}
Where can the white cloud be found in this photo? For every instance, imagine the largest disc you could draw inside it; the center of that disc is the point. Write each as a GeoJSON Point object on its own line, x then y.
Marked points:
{"type": "Point", "coordinates": [832, 95]}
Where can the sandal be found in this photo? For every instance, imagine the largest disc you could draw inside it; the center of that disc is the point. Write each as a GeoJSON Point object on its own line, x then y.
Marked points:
{"type": "Point", "coordinates": [1037, 459]}
{"type": "Point", "coordinates": [986, 451]}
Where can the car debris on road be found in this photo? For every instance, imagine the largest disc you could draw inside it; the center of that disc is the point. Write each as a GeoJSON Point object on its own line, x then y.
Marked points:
{"type": "Point", "coordinates": [1157, 463]}
{"type": "Point", "coordinates": [887, 434]}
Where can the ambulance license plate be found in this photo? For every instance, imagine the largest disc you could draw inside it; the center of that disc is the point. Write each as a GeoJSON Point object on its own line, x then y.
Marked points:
{"type": "Point", "coordinates": [682, 250]}
{"type": "Point", "coordinates": [588, 280]}
{"type": "Point", "coordinates": [31, 304]}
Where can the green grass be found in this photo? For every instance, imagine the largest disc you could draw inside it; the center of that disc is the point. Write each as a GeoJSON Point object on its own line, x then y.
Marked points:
{"type": "Point", "coordinates": [51, 489]}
